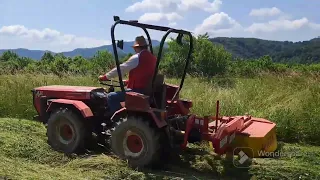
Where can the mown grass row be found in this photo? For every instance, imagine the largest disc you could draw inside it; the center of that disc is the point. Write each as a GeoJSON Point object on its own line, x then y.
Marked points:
{"type": "Point", "coordinates": [26, 155]}
{"type": "Point", "coordinates": [292, 102]}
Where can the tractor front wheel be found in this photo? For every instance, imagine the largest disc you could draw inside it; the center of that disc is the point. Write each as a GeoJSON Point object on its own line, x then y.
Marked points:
{"type": "Point", "coordinates": [66, 131]}
{"type": "Point", "coordinates": [134, 140]}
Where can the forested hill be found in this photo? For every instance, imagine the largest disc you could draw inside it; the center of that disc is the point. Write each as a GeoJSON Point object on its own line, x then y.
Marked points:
{"type": "Point", "coordinates": [84, 52]}
{"type": "Point", "coordinates": [246, 48]}
{"type": "Point", "coordinates": [280, 51]}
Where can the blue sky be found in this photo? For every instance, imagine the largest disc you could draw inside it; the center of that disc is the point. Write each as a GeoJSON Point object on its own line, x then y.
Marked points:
{"type": "Point", "coordinates": [63, 25]}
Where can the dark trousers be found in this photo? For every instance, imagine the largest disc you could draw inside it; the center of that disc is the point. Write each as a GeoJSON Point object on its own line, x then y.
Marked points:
{"type": "Point", "coordinates": [114, 99]}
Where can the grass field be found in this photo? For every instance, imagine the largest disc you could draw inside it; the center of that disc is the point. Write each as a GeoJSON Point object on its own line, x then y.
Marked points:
{"type": "Point", "coordinates": [292, 102]}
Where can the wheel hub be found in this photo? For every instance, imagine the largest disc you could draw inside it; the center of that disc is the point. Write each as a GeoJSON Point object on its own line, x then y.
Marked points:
{"type": "Point", "coordinates": [133, 144]}
{"type": "Point", "coordinates": [65, 133]}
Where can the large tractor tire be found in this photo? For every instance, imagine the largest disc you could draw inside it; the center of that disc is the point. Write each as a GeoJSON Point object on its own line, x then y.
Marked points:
{"type": "Point", "coordinates": [133, 139]}
{"type": "Point", "coordinates": [66, 132]}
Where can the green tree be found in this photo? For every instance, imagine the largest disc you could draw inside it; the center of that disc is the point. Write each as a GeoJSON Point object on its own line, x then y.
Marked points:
{"type": "Point", "coordinates": [210, 59]}
{"type": "Point", "coordinates": [60, 65]}
{"type": "Point", "coordinates": [102, 61]}
{"type": "Point", "coordinates": [207, 59]}
{"type": "Point", "coordinates": [9, 56]}
{"type": "Point", "coordinates": [47, 57]}
{"type": "Point", "coordinates": [79, 65]}
{"type": "Point", "coordinates": [174, 58]}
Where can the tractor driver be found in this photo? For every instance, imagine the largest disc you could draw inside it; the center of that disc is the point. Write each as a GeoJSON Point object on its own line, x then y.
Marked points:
{"type": "Point", "coordinates": [140, 67]}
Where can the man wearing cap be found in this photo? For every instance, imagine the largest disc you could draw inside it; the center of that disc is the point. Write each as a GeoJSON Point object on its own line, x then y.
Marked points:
{"type": "Point", "coordinates": [140, 67]}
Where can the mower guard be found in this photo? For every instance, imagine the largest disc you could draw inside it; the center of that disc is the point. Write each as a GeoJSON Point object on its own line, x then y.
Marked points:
{"type": "Point", "coordinates": [258, 135]}
{"type": "Point", "coordinates": [234, 134]}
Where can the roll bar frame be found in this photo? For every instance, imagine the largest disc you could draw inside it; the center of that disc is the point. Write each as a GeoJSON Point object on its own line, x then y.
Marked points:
{"type": "Point", "coordinates": [143, 26]}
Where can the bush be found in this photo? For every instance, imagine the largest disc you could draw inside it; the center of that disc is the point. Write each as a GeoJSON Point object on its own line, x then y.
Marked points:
{"type": "Point", "coordinates": [208, 59]}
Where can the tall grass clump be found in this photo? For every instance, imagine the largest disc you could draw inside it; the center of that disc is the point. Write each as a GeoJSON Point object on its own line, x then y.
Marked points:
{"type": "Point", "coordinates": [292, 102]}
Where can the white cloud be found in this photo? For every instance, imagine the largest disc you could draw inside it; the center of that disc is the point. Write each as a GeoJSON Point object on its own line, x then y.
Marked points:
{"type": "Point", "coordinates": [265, 12]}
{"type": "Point", "coordinates": [217, 23]}
{"type": "Point", "coordinates": [156, 17]}
{"type": "Point", "coordinates": [200, 4]}
{"type": "Point", "coordinates": [174, 5]}
{"type": "Point", "coordinates": [46, 38]}
{"type": "Point", "coordinates": [170, 10]}
{"type": "Point", "coordinates": [172, 24]}
{"type": "Point", "coordinates": [19, 30]}
{"type": "Point", "coordinates": [276, 25]}
{"type": "Point", "coordinates": [284, 28]}
{"type": "Point", "coordinates": [153, 5]}
{"type": "Point", "coordinates": [314, 26]}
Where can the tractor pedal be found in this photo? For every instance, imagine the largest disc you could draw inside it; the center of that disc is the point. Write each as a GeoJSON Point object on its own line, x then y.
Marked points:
{"type": "Point", "coordinates": [106, 133]}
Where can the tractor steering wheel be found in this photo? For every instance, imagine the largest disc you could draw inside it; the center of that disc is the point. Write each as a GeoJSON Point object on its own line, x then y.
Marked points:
{"type": "Point", "coordinates": [111, 86]}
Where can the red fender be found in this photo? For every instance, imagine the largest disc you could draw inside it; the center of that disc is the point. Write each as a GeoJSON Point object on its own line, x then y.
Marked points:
{"type": "Point", "coordinates": [81, 106]}
{"type": "Point", "coordinates": [160, 122]}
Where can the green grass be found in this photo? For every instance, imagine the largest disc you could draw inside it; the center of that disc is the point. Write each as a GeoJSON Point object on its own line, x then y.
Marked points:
{"type": "Point", "coordinates": [26, 155]}
{"type": "Point", "coordinates": [292, 102]}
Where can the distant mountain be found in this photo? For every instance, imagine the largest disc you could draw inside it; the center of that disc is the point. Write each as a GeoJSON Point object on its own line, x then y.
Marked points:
{"type": "Point", "coordinates": [90, 52]}
{"type": "Point", "coordinates": [84, 52]}
{"type": "Point", "coordinates": [280, 51]}
{"type": "Point", "coordinates": [34, 54]}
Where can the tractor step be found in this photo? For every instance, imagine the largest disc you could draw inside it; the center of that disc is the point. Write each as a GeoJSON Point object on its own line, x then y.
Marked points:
{"type": "Point", "coordinates": [36, 118]}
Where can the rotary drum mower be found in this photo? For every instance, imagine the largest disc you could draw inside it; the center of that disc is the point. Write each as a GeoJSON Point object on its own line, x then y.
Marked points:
{"type": "Point", "coordinates": [147, 123]}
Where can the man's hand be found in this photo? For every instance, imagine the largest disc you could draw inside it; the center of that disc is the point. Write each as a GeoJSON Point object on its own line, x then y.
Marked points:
{"type": "Point", "coordinates": [103, 78]}
{"type": "Point", "coordinates": [125, 82]}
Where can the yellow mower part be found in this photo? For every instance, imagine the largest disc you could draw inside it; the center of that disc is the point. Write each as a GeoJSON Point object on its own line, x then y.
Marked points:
{"type": "Point", "coordinates": [257, 138]}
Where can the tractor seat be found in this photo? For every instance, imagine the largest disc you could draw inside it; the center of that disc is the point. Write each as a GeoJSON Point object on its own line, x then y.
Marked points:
{"type": "Point", "coordinates": [158, 98]}
{"type": "Point", "coordinates": [157, 84]}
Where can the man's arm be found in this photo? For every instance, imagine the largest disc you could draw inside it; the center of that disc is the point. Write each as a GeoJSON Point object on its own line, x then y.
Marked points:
{"type": "Point", "coordinates": [125, 67]}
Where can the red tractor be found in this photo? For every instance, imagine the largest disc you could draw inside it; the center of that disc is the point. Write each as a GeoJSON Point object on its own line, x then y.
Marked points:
{"type": "Point", "coordinates": [147, 123]}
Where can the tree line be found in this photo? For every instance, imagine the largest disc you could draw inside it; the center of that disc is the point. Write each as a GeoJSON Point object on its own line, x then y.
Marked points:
{"type": "Point", "coordinates": [208, 59]}
{"type": "Point", "coordinates": [305, 52]}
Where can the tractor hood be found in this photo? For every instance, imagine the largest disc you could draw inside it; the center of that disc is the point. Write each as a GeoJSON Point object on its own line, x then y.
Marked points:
{"type": "Point", "coordinates": [63, 88]}
{"type": "Point", "coordinates": [67, 92]}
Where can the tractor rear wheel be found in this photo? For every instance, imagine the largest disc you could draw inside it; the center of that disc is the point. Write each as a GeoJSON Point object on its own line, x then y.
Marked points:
{"type": "Point", "coordinates": [133, 139]}
{"type": "Point", "coordinates": [66, 131]}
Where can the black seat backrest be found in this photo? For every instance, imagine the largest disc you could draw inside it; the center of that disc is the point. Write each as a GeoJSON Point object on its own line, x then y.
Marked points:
{"type": "Point", "coordinates": [159, 81]}
{"type": "Point", "coordinates": [159, 89]}
{"type": "Point", "coordinates": [157, 84]}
